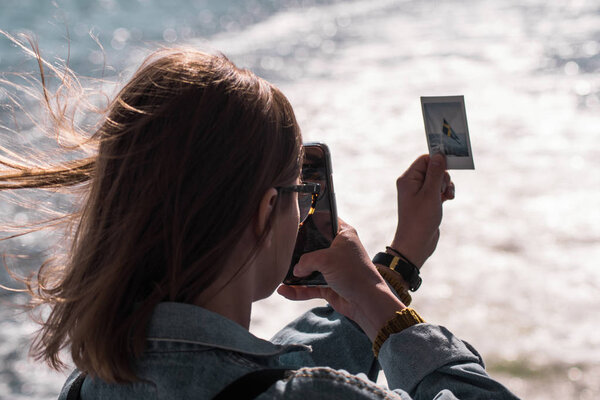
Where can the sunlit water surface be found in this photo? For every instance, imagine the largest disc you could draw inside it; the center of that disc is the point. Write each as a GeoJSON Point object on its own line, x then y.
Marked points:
{"type": "Point", "coordinates": [516, 269]}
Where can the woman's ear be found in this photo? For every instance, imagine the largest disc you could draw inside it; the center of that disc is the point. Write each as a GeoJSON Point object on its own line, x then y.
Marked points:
{"type": "Point", "coordinates": [265, 210]}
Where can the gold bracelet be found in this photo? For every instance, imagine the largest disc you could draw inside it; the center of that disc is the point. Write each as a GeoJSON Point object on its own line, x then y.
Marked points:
{"type": "Point", "coordinates": [402, 320]}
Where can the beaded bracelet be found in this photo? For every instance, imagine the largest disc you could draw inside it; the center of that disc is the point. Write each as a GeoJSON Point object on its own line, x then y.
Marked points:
{"type": "Point", "coordinates": [395, 280]}
{"type": "Point", "coordinates": [402, 320]}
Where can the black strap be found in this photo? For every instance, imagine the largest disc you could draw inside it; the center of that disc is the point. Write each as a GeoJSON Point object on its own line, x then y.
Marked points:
{"type": "Point", "coordinates": [249, 386]}
{"type": "Point", "coordinates": [75, 389]}
{"type": "Point", "coordinates": [408, 270]}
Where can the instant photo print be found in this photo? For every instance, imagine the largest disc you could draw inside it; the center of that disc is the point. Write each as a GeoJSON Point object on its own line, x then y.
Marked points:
{"type": "Point", "coordinates": [446, 130]}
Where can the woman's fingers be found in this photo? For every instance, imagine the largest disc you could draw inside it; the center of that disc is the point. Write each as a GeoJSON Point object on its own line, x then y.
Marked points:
{"type": "Point", "coordinates": [447, 187]}
{"type": "Point", "coordinates": [311, 262]}
{"type": "Point", "coordinates": [299, 293]}
{"type": "Point", "coordinates": [355, 288]}
{"type": "Point", "coordinates": [449, 193]}
{"type": "Point", "coordinates": [445, 182]}
{"type": "Point", "coordinates": [345, 265]}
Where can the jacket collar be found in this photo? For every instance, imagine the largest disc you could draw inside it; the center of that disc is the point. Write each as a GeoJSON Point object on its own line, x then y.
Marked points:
{"type": "Point", "coordinates": [187, 323]}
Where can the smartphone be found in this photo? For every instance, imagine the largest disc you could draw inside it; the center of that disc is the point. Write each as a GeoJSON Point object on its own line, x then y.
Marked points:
{"type": "Point", "coordinates": [319, 229]}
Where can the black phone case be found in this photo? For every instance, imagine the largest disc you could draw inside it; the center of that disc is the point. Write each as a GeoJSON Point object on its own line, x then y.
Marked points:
{"type": "Point", "coordinates": [308, 233]}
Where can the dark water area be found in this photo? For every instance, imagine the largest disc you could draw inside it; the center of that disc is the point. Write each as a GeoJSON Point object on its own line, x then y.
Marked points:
{"type": "Point", "coordinates": [516, 270]}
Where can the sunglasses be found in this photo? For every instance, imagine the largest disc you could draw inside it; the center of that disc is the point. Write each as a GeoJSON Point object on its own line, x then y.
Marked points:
{"type": "Point", "coordinates": [308, 194]}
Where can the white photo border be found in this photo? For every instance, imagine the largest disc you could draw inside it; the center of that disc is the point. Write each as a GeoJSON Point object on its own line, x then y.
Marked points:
{"type": "Point", "coordinates": [453, 162]}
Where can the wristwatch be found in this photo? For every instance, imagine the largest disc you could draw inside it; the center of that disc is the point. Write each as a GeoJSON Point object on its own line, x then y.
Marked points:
{"type": "Point", "coordinates": [408, 270]}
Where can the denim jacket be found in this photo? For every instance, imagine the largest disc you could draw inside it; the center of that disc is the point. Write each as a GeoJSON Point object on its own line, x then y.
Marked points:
{"type": "Point", "coordinates": [193, 353]}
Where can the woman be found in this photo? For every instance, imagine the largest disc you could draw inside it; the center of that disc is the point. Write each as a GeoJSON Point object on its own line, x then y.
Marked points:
{"type": "Point", "coordinates": [185, 225]}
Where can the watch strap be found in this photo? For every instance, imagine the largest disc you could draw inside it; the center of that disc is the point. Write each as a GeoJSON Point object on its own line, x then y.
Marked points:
{"type": "Point", "coordinates": [408, 270]}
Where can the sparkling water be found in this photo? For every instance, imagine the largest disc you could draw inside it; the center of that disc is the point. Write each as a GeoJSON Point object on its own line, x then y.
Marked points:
{"type": "Point", "coordinates": [516, 270]}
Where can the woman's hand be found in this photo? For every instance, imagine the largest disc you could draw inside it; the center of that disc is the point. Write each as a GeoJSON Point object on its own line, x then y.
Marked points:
{"type": "Point", "coordinates": [355, 287]}
{"type": "Point", "coordinates": [421, 191]}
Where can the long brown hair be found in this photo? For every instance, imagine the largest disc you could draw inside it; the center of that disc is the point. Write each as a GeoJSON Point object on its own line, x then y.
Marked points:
{"type": "Point", "coordinates": [185, 152]}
